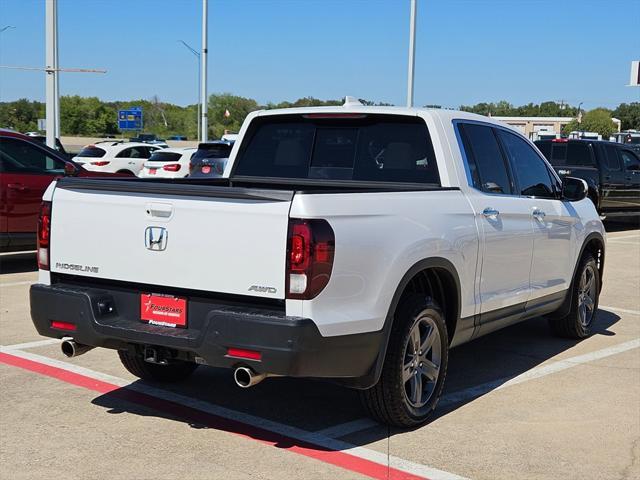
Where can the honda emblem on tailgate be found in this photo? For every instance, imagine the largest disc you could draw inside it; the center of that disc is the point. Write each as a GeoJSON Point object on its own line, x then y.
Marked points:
{"type": "Point", "coordinates": [155, 238]}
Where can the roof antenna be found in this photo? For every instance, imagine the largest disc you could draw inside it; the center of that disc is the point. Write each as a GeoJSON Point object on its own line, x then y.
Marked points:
{"type": "Point", "coordinates": [350, 101]}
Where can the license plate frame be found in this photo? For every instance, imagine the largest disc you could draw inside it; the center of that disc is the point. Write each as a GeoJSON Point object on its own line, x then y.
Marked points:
{"type": "Point", "coordinates": [163, 310]}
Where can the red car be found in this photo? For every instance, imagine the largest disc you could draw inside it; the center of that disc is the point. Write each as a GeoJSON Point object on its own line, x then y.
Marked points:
{"type": "Point", "coordinates": [27, 167]}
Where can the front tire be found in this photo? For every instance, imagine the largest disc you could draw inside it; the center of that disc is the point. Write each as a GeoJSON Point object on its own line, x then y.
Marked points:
{"type": "Point", "coordinates": [176, 371]}
{"type": "Point", "coordinates": [415, 366]}
{"type": "Point", "coordinates": [585, 295]}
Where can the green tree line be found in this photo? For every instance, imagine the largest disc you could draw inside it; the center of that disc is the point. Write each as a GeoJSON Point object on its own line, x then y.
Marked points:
{"type": "Point", "coordinates": [90, 116]}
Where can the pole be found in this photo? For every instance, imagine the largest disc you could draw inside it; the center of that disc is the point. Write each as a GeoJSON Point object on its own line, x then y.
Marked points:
{"type": "Point", "coordinates": [56, 74]}
{"type": "Point", "coordinates": [203, 62]}
{"type": "Point", "coordinates": [52, 74]}
{"type": "Point", "coordinates": [412, 53]}
{"type": "Point", "coordinates": [199, 100]}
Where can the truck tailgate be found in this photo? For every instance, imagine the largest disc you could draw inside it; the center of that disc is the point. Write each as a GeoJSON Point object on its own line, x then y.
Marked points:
{"type": "Point", "coordinates": [214, 238]}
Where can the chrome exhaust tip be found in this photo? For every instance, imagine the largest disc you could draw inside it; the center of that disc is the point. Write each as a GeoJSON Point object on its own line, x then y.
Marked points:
{"type": "Point", "coordinates": [72, 349]}
{"type": "Point", "coordinates": [245, 377]}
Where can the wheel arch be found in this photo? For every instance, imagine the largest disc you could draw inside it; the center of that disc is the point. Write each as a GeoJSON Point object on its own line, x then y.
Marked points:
{"type": "Point", "coordinates": [593, 243]}
{"type": "Point", "coordinates": [447, 278]}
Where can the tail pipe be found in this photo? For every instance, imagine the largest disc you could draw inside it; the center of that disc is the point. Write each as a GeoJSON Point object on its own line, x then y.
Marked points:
{"type": "Point", "coordinates": [245, 377]}
{"type": "Point", "coordinates": [72, 349]}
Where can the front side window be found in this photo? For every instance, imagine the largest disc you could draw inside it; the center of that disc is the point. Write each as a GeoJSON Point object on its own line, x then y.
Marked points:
{"type": "Point", "coordinates": [486, 163]}
{"type": "Point", "coordinates": [629, 160]}
{"type": "Point", "coordinates": [378, 148]}
{"type": "Point", "coordinates": [22, 157]}
{"type": "Point", "coordinates": [530, 170]}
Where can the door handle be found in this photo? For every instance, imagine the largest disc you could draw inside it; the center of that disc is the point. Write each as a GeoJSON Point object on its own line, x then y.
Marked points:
{"type": "Point", "coordinates": [538, 214]}
{"type": "Point", "coordinates": [490, 213]}
{"type": "Point", "coordinates": [17, 186]}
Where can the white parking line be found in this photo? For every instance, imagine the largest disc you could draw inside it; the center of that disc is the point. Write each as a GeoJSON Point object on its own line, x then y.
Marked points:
{"type": "Point", "coordinates": [536, 372]}
{"type": "Point", "coordinates": [478, 390]}
{"type": "Point", "coordinates": [381, 458]}
{"type": "Point", "coordinates": [621, 310]}
{"type": "Point", "coordinates": [633, 235]}
{"type": "Point", "coordinates": [37, 343]}
{"type": "Point", "coordinates": [15, 284]}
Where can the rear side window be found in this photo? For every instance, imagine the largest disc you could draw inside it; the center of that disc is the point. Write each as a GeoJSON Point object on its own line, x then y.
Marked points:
{"type": "Point", "coordinates": [611, 155]}
{"type": "Point", "coordinates": [487, 165]}
{"type": "Point", "coordinates": [378, 148]}
{"type": "Point", "coordinates": [532, 172]}
{"type": "Point", "coordinates": [579, 155]}
{"type": "Point", "coordinates": [165, 157]}
{"type": "Point", "coordinates": [92, 152]}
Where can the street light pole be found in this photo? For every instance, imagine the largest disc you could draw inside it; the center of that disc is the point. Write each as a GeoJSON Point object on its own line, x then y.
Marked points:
{"type": "Point", "coordinates": [203, 61]}
{"type": "Point", "coordinates": [197, 55]}
{"type": "Point", "coordinates": [412, 53]}
{"type": "Point", "coordinates": [52, 105]}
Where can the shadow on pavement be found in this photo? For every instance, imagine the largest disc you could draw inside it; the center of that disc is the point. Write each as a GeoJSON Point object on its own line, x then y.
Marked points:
{"type": "Point", "coordinates": [314, 405]}
{"type": "Point", "coordinates": [622, 225]}
{"type": "Point", "coordinates": [18, 262]}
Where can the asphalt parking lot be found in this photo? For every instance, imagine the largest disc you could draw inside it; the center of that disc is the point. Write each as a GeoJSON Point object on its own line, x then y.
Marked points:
{"type": "Point", "coordinates": [519, 403]}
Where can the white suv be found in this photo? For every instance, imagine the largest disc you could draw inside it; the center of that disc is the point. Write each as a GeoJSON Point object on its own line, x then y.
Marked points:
{"type": "Point", "coordinates": [115, 156]}
{"type": "Point", "coordinates": [168, 163]}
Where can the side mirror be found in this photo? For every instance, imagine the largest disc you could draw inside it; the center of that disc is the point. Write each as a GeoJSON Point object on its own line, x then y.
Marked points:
{"type": "Point", "coordinates": [574, 189]}
{"type": "Point", "coordinates": [70, 170]}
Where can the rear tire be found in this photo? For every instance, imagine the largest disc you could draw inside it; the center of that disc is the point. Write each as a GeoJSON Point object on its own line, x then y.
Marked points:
{"type": "Point", "coordinates": [585, 295]}
{"type": "Point", "coordinates": [126, 172]}
{"type": "Point", "coordinates": [416, 361]}
{"type": "Point", "coordinates": [176, 371]}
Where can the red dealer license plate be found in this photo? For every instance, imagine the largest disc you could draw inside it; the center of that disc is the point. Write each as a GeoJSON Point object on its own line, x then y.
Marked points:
{"type": "Point", "coordinates": [206, 169]}
{"type": "Point", "coordinates": [165, 310]}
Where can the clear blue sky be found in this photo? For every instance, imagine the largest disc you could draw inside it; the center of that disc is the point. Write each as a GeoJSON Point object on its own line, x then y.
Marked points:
{"type": "Point", "coordinates": [467, 50]}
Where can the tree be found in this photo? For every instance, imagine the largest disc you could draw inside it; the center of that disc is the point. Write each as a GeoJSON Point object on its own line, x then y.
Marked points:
{"type": "Point", "coordinates": [629, 115]}
{"type": "Point", "coordinates": [597, 120]}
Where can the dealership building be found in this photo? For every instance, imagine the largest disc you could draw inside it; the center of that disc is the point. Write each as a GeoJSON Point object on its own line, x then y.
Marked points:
{"type": "Point", "coordinates": [530, 126]}
{"type": "Point", "coordinates": [533, 126]}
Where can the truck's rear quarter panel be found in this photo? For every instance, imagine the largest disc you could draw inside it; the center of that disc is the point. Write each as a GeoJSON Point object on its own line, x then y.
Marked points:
{"type": "Point", "coordinates": [379, 237]}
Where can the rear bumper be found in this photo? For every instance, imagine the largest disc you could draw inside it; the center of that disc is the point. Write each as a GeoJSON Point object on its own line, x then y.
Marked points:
{"type": "Point", "coordinates": [289, 346]}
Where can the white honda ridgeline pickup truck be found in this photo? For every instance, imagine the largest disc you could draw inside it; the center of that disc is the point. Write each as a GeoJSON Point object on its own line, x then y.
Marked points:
{"type": "Point", "coordinates": [357, 244]}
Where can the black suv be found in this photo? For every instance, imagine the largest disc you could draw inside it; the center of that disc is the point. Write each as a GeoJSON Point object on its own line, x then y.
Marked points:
{"type": "Point", "coordinates": [612, 171]}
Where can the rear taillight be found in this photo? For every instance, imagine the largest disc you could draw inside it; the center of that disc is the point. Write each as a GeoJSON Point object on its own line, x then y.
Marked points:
{"type": "Point", "coordinates": [173, 167]}
{"type": "Point", "coordinates": [44, 235]}
{"type": "Point", "coordinates": [100, 164]}
{"type": "Point", "coordinates": [309, 257]}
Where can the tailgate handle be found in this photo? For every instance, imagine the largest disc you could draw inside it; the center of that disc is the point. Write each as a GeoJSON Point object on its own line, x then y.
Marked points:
{"type": "Point", "coordinates": [159, 210]}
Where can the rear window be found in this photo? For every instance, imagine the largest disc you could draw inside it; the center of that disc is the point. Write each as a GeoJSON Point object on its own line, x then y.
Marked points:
{"type": "Point", "coordinates": [212, 151]}
{"type": "Point", "coordinates": [379, 148]}
{"type": "Point", "coordinates": [92, 152]}
{"type": "Point", "coordinates": [165, 157]}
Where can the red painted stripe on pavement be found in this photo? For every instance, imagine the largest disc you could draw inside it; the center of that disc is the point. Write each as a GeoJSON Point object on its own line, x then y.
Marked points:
{"type": "Point", "coordinates": [333, 457]}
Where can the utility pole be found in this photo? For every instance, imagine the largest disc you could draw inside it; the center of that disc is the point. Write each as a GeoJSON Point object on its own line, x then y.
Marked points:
{"type": "Point", "coordinates": [412, 53]}
{"type": "Point", "coordinates": [204, 129]}
{"type": "Point", "coordinates": [52, 69]}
